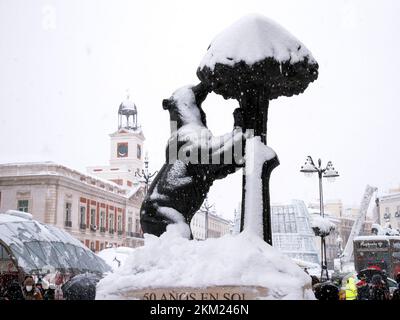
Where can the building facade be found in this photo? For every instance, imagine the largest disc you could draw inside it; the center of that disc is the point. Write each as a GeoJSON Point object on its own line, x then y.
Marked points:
{"type": "Point", "coordinates": [100, 208]}
{"type": "Point", "coordinates": [217, 226]}
{"type": "Point", "coordinates": [389, 209]}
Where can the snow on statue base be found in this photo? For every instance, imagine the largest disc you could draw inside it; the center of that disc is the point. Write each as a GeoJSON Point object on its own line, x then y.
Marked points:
{"type": "Point", "coordinates": [231, 267]}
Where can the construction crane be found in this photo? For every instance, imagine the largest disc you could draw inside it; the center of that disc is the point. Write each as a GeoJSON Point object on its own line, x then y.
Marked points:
{"type": "Point", "coordinates": [358, 223]}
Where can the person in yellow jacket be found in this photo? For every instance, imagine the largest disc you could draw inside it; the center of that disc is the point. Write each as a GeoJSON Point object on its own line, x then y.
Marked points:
{"type": "Point", "coordinates": [351, 289]}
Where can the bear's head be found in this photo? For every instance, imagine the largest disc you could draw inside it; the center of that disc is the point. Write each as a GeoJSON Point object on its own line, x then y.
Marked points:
{"type": "Point", "coordinates": [184, 105]}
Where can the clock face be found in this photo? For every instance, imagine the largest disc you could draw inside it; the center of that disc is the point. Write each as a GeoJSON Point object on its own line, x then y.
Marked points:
{"type": "Point", "coordinates": [122, 150]}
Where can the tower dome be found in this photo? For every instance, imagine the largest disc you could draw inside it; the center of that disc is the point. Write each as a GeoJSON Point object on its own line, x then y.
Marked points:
{"type": "Point", "coordinates": [127, 109]}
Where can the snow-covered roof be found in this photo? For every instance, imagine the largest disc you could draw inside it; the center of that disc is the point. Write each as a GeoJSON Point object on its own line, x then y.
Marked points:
{"type": "Point", "coordinates": [376, 238]}
{"type": "Point", "coordinates": [39, 247]}
{"type": "Point", "coordinates": [254, 38]}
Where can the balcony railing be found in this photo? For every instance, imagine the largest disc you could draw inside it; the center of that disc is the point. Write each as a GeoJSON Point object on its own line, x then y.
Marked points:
{"type": "Point", "coordinates": [82, 226]}
{"type": "Point", "coordinates": [111, 231]}
{"type": "Point", "coordinates": [102, 229]}
{"type": "Point", "coordinates": [68, 224]}
{"type": "Point", "coordinates": [120, 232]}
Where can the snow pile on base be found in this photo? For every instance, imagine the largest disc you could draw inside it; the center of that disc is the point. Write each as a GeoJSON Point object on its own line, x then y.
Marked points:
{"type": "Point", "coordinates": [173, 261]}
{"type": "Point", "coordinates": [115, 257]}
{"type": "Point", "coordinates": [323, 224]}
{"type": "Point", "coordinates": [252, 39]}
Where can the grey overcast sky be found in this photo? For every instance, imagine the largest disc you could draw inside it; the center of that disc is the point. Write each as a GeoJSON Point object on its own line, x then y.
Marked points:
{"type": "Point", "coordinates": [66, 65]}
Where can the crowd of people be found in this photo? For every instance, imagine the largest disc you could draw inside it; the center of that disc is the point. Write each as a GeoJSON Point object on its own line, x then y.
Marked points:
{"type": "Point", "coordinates": [361, 287]}
{"type": "Point", "coordinates": [28, 290]}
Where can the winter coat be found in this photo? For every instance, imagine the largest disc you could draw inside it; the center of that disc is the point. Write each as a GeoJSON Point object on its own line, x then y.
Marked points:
{"type": "Point", "coordinates": [362, 290]}
{"type": "Point", "coordinates": [13, 291]}
{"type": "Point", "coordinates": [34, 294]}
{"type": "Point", "coordinates": [396, 294]}
{"type": "Point", "coordinates": [49, 294]}
{"type": "Point", "coordinates": [351, 289]}
{"type": "Point", "coordinates": [379, 290]}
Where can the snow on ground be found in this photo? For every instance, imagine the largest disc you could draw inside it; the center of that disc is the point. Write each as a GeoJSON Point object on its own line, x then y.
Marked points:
{"type": "Point", "coordinates": [252, 39]}
{"type": "Point", "coordinates": [173, 261]}
{"type": "Point", "coordinates": [115, 257]}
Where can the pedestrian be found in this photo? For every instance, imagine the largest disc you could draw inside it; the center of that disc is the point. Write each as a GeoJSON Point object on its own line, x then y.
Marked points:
{"type": "Point", "coordinates": [30, 291]}
{"type": "Point", "coordinates": [351, 289]}
{"type": "Point", "coordinates": [363, 288]}
{"type": "Point", "coordinates": [49, 293]}
{"type": "Point", "coordinates": [13, 291]}
{"type": "Point", "coordinates": [396, 292]}
{"type": "Point", "coordinates": [378, 290]}
{"type": "Point", "coordinates": [39, 286]}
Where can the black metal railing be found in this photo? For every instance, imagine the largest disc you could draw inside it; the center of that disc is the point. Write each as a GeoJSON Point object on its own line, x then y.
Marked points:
{"type": "Point", "coordinates": [82, 226]}
{"type": "Point", "coordinates": [102, 229]}
{"type": "Point", "coordinates": [111, 231]}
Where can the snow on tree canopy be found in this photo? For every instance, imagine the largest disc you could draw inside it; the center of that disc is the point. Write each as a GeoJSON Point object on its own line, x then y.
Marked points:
{"type": "Point", "coordinates": [257, 52]}
{"type": "Point", "coordinates": [252, 39]}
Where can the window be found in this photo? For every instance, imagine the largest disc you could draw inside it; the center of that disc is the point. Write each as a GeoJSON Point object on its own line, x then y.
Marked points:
{"type": "Point", "coordinates": [111, 222]}
{"type": "Point", "coordinates": [386, 216]}
{"type": "Point", "coordinates": [139, 151]}
{"type": "Point", "coordinates": [137, 226]}
{"type": "Point", "coordinates": [82, 216]}
{"type": "Point", "coordinates": [68, 206]}
{"type": "Point", "coordinates": [93, 217]}
{"type": "Point", "coordinates": [23, 205]}
{"type": "Point", "coordinates": [129, 224]}
{"type": "Point", "coordinates": [102, 219]}
{"type": "Point", "coordinates": [119, 220]}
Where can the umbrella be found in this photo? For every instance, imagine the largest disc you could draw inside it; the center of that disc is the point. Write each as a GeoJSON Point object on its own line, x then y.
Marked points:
{"type": "Point", "coordinates": [326, 291]}
{"type": "Point", "coordinates": [368, 273]}
{"type": "Point", "coordinates": [81, 287]}
{"type": "Point", "coordinates": [254, 61]}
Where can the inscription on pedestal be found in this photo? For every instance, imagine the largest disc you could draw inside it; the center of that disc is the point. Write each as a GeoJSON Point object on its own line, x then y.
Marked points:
{"type": "Point", "coordinates": [207, 293]}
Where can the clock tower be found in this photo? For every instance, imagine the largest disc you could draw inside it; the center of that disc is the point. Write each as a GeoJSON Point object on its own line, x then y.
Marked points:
{"type": "Point", "coordinates": [126, 149]}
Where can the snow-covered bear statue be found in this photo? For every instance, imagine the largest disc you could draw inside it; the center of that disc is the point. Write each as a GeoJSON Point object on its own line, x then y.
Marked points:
{"type": "Point", "coordinates": [194, 160]}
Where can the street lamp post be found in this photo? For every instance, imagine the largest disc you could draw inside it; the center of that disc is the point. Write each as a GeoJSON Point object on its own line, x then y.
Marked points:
{"type": "Point", "coordinates": [330, 173]}
{"type": "Point", "coordinates": [339, 241]}
{"type": "Point", "coordinates": [145, 174]}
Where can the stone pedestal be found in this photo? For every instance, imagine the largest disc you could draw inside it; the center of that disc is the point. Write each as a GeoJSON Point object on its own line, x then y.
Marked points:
{"type": "Point", "coordinates": [206, 293]}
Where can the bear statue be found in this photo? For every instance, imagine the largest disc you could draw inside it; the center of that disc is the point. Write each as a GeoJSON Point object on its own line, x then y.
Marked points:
{"type": "Point", "coordinates": [194, 160]}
